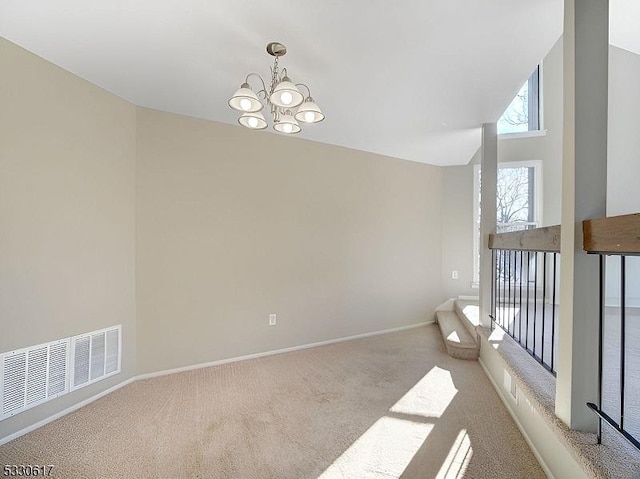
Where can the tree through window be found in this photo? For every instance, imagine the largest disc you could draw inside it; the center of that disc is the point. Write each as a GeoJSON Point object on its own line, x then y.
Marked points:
{"type": "Point", "coordinates": [516, 197]}
{"type": "Point", "coordinates": [523, 113]}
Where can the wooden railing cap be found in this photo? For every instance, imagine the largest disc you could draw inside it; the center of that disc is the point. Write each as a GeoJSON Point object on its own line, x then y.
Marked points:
{"type": "Point", "coordinates": [612, 235]}
{"type": "Point", "coordinates": [545, 239]}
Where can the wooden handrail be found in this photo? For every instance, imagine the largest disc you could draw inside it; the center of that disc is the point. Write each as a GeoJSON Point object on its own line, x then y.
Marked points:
{"type": "Point", "coordinates": [546, 239]}
{"type": "Point", "coordinates": [612, 235]}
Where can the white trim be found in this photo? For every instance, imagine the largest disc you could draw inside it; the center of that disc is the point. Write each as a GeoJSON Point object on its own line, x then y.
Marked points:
{"type": "Point", "coordinates": [522, 134]}
{"type": "Point", "coordinates": [541, 121]}
{"type": "Point", "coordinates": [537, 166]}
{"type": "Point", "coordinates": [64, 412]}
{"type": "Point", "coordinates": [507, 404]}
{"type": "Point", "coordinates": [614, 302]}
{"type": "Point", "coordinates": [273, 352]}
{"type": "Point", "coordinates": [77, 406]}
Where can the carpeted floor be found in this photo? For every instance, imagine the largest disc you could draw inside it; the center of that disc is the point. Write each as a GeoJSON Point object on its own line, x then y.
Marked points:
{"type": "Point", "coordinates": [390, 406]}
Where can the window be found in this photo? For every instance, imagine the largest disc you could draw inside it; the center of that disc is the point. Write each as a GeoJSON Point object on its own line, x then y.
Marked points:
{"type": "Point", "coordinates": [523, 114]}
{"type": "Point", "coordinates": [518, 200]}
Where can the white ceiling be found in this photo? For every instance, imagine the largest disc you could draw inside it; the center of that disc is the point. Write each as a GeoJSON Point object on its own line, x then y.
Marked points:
{"type": "Point", "coordinates": [411, 79]}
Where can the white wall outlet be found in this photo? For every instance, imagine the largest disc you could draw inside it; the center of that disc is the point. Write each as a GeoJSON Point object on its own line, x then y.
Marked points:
{"type": "Point", "coordinates": [510, 385]}
{"type": "Point", "coordinates": [272, 320]}
{"type": "Point", "coordinates": [514, 391]}
{"type": "Point", "coordinates": [454, 274]}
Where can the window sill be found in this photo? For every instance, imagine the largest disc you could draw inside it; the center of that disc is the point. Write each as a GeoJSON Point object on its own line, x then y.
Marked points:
{"type": "Point", "coordinates": [522, 134]}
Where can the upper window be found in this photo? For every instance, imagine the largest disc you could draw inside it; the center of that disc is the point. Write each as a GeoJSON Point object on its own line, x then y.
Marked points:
{"type": "Point", "coordinates": [523, 114]}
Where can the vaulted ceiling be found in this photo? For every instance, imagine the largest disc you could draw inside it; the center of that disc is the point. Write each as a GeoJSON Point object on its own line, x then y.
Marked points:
{"type": "Point", "coordinates": [412, 79]}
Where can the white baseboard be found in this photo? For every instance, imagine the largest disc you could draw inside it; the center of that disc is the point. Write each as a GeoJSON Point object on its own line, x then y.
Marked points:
{"type": "Point", "coordinates": [506, 403]}
{"type": "Point", "coordinates": [77, 406]}
{"type": "Point", "coordinates": [278, 351]}
{"type": "Point", "coordinates": [64, 412]}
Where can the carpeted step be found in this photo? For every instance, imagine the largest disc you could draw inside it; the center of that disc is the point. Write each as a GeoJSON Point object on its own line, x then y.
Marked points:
{"type": "Point", "coordinates": [457, 339]}
{"type": "Point", "coordinates": [469, 313]}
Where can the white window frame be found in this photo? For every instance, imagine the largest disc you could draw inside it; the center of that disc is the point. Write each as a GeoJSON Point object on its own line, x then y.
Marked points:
{"type": "Point", "coordinates": [537, 206]}
{"type": "Point", "coordinates": [535, 81]}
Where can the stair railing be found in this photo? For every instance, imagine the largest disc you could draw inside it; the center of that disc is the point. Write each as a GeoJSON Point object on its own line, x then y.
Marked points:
{"type": "Point", "coordinates": [524, 289]}
{"type": "Point", "coordinates": [617, 239]}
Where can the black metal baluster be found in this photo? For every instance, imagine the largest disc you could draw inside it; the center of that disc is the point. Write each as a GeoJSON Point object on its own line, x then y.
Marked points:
{"type": "Point", "coordinates": [527, 333]}
{"type": "Point", "coordinates": [622, 337]}
{"type": "Point", "coordinates": [535, 298]}
{"type": "Point", "coordinates": [509, 291]}
{"type": "Point", "coordinates": [544, 300]}
{"type": "Point", "coordinates": [515, 291]}
{"type": "Point", "coordinates": [501, 287]}
{"type": "Point", "coordinates": [493, 287]}
{"type": "Point", "coordinates": [553, 313]}
{"type": "Point", "coordinates": [600, 343]}
{"type": "Point", "coordinates": [498, 292]}
{"type": "Point", "coordinates": [504, 288]}
{"type": "Point", "coordinates": [520, 309]}
{"type": "Point", "coordinates": [512, 285]}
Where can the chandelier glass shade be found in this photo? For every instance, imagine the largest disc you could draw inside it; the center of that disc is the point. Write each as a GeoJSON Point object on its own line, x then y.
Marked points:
{"type": "Point", "coordinates": [309, 112]}
{"type": "Point", "coordinates": [288, 105]}
{"type": "Point", "coordinates": [254, 120]}
{"type": "Point", "coordinates": [245, 100]}
{"type": "Point", "coordinates": [287, 124]}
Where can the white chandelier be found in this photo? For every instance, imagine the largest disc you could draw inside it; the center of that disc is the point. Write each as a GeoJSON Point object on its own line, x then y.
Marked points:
{"type": "Point", "coordinates": [282, 97]}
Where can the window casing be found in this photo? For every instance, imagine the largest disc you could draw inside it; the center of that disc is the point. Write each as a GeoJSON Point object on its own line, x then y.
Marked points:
{"type": "Point", "coordinates": [523, 113]}
{"type": "Point", "coordinates": [518, 202]}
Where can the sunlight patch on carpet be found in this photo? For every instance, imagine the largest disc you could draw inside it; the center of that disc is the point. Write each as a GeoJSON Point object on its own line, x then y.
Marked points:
{"type": "Point", "coordinates": [384, 451]}
{"type": "Point", "coordinates": [429, 397]}
{"type": "Point", "coordinates": [458, 458]}
{"type": "Point", "coordinates": [387, 448]}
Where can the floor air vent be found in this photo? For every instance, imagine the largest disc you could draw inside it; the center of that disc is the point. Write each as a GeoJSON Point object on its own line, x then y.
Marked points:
{"type": "Point", "coordinates": [96, 355]}
{"type": "Point", "coordinates": [33, 375]}
{"type": "Point", "coordinates": [36, 374]}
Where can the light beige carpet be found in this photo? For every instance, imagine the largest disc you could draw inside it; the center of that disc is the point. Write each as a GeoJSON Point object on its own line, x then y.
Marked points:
{"type": "Point", "coordinates": [390, 406]}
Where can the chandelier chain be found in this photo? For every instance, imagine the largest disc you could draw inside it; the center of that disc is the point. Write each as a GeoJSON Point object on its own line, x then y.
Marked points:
{"type": "Point", "coordinates": [274, 75]}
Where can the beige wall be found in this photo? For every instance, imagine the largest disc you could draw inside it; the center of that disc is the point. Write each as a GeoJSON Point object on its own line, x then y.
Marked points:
{"type": "Point", "coordinates": [457, 231]}
{"type": "Point", "coordinates": [234, 225]}
{"type": "Point", "coordinates": [67, 214]}
{"type": "Point", "coordinates": [623, 171]}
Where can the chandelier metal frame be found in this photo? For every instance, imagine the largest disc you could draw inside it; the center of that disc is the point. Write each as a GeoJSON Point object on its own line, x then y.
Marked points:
{"type": "Point", "coordinates": [283, 99]}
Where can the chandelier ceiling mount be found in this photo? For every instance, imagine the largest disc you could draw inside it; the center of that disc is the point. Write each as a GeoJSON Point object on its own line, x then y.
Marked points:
{"type": "Point", "coordinates": [276, 49]}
